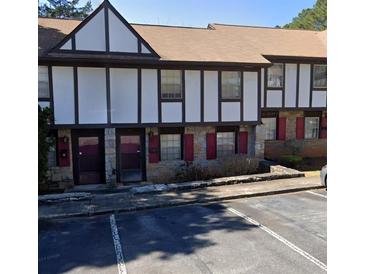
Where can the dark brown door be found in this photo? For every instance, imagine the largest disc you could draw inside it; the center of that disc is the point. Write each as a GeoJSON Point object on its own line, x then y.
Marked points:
{"type": "Point", "coordinates": [130, 149]}
{"type": "Point", "coordinates": [88, 157]}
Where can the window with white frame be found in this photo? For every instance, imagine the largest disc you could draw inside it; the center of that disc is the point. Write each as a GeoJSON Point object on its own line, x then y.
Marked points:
{"type": "Point", "coordinates": [319, 76]}
{"type": "Point", "coordinates": [269, 125]}
{"type": "Point", "coordinates": [43, 84]}
{"type": "Point", "coordinates": [311, 128]}
{"type": "Point", "coordinates": [275, 76]}
{"type": "Point", "coordinates": [226, 144]}
{"type": "Point", "coordinates": [170, 147]}
{"type": "Point", "coordinates": [231, 84]}
{"type": "Point", "coordinates": [171, 84]}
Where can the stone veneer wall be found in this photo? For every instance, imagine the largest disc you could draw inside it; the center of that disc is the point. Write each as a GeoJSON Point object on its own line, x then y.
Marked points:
{"type": "Point", "coordinates": [63, 176]}
{"type": "Point", "coordinates": [163, 170]}
{"type": "Point", "coordinates": [110, 155]}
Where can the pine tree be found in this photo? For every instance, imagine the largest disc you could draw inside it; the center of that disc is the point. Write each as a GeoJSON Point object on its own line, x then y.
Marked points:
{"type": "Point", "coordinates": [64, 9]}
{"type": "Point", "coordinates": [312, 19]}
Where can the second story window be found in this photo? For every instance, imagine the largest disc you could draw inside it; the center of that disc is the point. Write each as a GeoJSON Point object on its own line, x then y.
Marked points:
{"type": "Point", "coordinates": [171, 84]}
{"type": "Point", "coordinates": [275, 76]}
{"type": "Point", "coordinates": [231, 85]}
{"type": "Point", "coordinates": [319, 76]}
{"type": "Point", "coordinates": [43, 85]}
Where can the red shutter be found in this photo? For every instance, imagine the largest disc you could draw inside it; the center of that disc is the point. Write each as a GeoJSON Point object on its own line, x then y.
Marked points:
{"type": "Point", "coordinates": [211, 146]}
{"type": "Point", "coordinates": [189, 147]}
{"type": "Point", "coordinates": [300, 128]}
{"type": "Point", "coordinates": [63, 152]}
{"type": "Point", "coordinates": [243, 142]}
{"type": "Point", "coordinates": [282, 128]}
{"type": "Point", "coordinates": [153, 149]}
{"type": "Point", "coordinates": [323, 134]}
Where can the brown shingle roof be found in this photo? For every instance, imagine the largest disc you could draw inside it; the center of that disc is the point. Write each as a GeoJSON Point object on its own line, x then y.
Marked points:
{"type": "Point", "coordinates": [217, 43]}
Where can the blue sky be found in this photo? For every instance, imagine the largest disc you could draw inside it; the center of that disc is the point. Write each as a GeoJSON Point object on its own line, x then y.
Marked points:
{"type": "Point", "coordinates": [201, 12]}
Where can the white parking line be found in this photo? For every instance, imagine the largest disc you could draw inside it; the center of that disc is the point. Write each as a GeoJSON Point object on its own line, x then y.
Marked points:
{"type": "Point", "coordinates": [118, 247]}
{"type": "Point", "coordinates": [281, 239]}
{"type": "Point", "coordinates": [317, 194]}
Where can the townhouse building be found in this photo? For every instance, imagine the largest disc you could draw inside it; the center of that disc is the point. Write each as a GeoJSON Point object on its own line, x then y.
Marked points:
{"type": "Point", "coordinates": [130, 100]}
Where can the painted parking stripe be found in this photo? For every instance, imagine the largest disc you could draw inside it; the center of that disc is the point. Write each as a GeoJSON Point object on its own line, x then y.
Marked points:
{"type": "Point", "coordinates": [117, 245]}
{"type": "Point", "coordinates": [317, 194]}
{"type": "Point", "coordinates": [281, 239]}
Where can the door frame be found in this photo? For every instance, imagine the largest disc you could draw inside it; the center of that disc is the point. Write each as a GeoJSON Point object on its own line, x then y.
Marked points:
{"type": "Point", "coordinates": [75, 134]}
{"type": "Point", "coordinates": [128, 132]}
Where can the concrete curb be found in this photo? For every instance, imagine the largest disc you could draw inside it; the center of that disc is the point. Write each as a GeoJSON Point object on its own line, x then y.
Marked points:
{"type": "Point", "coordinates": [164, 205]}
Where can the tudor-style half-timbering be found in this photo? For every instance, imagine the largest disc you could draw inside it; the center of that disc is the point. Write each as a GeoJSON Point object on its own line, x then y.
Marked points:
{"type": "Point", "coordinates": [294, 85]}
{"type": "Point", "coordinates": [139, 96]}
{"type": "Point", "coordinates": [105, 31]}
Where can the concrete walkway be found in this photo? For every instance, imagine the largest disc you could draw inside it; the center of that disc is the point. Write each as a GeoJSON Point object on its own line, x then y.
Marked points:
{"type": "Point", "coordinates": [122, 202]}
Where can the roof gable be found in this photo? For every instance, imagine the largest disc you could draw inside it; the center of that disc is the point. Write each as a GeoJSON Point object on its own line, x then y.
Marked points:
{"type": "Point", "coordinates": [104, 31]}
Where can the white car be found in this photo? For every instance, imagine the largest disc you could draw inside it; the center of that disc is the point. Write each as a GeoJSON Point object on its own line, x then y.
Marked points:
{"type": "Point", "coordinates": [324, 176]}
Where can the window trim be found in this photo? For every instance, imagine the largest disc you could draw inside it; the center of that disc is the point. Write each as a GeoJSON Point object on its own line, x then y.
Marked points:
{"type": "Point", "coordinates": [313, 69]}
{"type": "Point", "coordinates": [267, 77]}
{"type": "Point", "coordinates": [276, 127]}
{"type": "Point", "coordinates": [172, 130]}
{"type": "Point", "coordinates": [222, 129]}
{"type": "Point", "coordinates": [240, 75]}
{"type": "Point", "coordinates": [49, 98]}
{"type": "Point", "coordinates": [182, 86]}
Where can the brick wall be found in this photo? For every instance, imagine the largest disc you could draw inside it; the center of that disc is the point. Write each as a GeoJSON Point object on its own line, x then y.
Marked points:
{"type": "Point", "coordinates": [305, 148]}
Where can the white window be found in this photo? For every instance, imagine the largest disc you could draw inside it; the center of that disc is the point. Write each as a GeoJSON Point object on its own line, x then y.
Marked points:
{"type": "Point", "coordinates": [226, 143]}
{"type": "Point", "coordinates": [320, 76]}
{"type": "Point", "coordinates": [311, 128]}
{"type": "Point", "coordinates": [275, 76]}
{"type": "Point", "coordinates": [269, 125]}
{"type": "Point", "coordinates": [43, 85]}
{"type": "Point", "coordinates": [170, 147]}
{"type": "Point", "coordinates": [171, 84]}
{"type": "Point", "coordinates": [231, 85]}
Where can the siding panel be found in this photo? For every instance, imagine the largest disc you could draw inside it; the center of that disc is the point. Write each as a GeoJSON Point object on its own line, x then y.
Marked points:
{"type": "Point", "coordinates": [192, 96]}
{"type": "Point", "coordinates": [149, 96]}
{"type": "Point", "coordinates": [250, 87]}
{"type": "Point", "coordinates": [304, 85]}
{"type": "Point", "coordinates": [290, 85]}
{"type": "Point", "coordinates": [210, 96]}
{"type": "Point", "coordinates": [63, 95]}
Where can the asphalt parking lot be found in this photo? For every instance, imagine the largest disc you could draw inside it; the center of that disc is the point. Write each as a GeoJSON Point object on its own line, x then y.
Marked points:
{"type": "Point", "coordinates": [272, 234]}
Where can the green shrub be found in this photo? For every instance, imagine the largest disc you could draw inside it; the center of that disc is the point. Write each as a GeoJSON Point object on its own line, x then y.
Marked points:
{"type": "Point", "coordinates": [43, 144]}
{"type": "Point", "coordinates": [238, 165]}
{"type": "Point", "coordinates": [290, 160]}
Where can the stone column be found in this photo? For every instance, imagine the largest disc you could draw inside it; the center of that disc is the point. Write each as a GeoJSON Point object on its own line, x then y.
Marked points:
{"type": "Point", "coordinates": [291, 121]}
{"type": "Point", "coordinates": [110, 156]}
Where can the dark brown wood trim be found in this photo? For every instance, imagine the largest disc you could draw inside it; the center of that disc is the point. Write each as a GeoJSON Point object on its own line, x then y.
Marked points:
{"type": "Point", "coordinates": [73, 43]}
{"type": "Point", "coordinates": [295, 59]}
{"type": "Point", "coordinates": [108, 97]}
{"type": "Point", "coordinates": [107, 41]}
{"type": "Point", "coordinates": [311, 86]}
{"type": "Point", "coordinates": [139, 46]}
{"type": "Point", "coordinates": [283, 89]}
{"type": "Point", "coordinates": [265, 87]}
{"type": "Point", "coordinates": [159, 95]}
{"type": "Point", "coordinates": [294, 109]}
{"type": "Point", "coordinates": [76, 89]}
{"type": "Point", "coordinates": [259, 95]}
{"type": "Point", "coordinates": [219, 95]}
{"type": "Point", "coordinates": [183, 95]}
{"type": "Point", "coordinates": [139, 95]}
{"type": "Point", "coordinates": [297, 94]}
{"type": "Point", "coordinates": [160, 125]}
{"type": "Point", "coordinates": [50, 86]}
{"type": "Point", "coordinates": [242, 96]}
{"type": "Point", "coordinates": [201, 96]}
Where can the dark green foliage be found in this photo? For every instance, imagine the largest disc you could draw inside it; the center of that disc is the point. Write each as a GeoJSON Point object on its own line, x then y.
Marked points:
{"type": "Point", "coordinates": [64, 9]}
{"type": "Point", "coordinates": [43, 143]}
{"type": "Point", "coordinates": [311, 19]}
{"type": "Point", "coordinates": [290, 160]}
